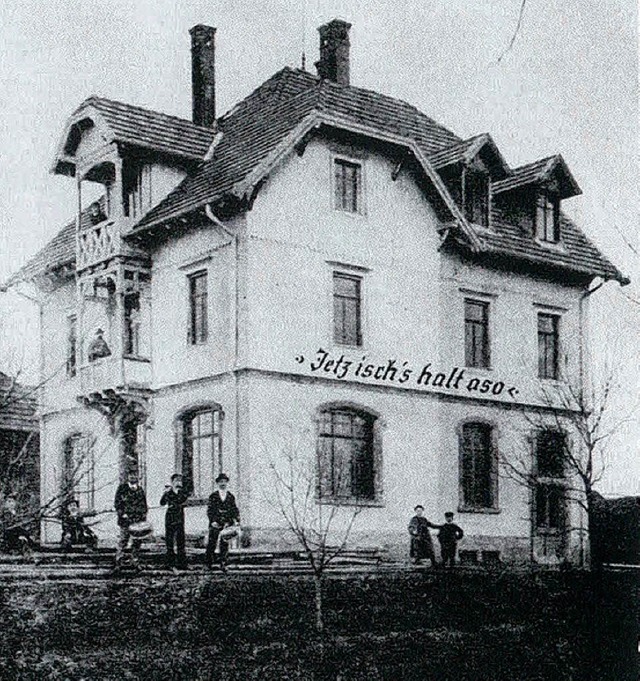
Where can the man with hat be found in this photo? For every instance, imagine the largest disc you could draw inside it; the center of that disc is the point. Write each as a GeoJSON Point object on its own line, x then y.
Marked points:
{"type": "Point", "coordinates": [174, 498]}
{"type": "Point", "coordinates": [131, 506]}
{"type": "Point", "coordinates": [222, 512]}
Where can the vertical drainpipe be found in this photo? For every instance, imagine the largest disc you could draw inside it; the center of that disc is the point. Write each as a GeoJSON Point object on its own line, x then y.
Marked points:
{"type": "Point", "coordinates": [236, 313]}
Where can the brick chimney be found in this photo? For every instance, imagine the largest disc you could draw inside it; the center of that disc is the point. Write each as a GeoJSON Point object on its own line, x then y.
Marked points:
{"type": "Point", "coordinates": [334, 52]}
{"type": "Point", "coordinates": [203, 74]}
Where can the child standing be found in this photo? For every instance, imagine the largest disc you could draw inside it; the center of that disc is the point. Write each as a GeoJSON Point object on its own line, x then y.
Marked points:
{"type": "Point", "coordinates": [449, 536]}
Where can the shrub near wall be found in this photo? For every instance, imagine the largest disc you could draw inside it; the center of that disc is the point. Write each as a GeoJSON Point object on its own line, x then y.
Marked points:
{"type": "Point", "coordinates": [405, 626]}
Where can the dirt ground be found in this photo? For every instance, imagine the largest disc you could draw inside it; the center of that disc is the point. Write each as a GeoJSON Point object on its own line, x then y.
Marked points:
{"type": "Point", "coordinates": [462, 625]}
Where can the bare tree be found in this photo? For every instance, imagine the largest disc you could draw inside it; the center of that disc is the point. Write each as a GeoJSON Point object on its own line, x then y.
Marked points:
{"type": "Point", "coordinates": [570, 451]}
{"type": "Point", "coordinates": [321, 528]}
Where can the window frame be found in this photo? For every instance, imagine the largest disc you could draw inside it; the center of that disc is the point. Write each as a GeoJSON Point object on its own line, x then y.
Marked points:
{"type": "Point", "coordinates": [374, 425]}
{"type": "Point", "coordinates": [83, 490]}
{"type": "Point", "coordinates": [469, 325]}
{"type": "Point", "coordinates": [185, 417]}
{"type": "Point", "coordinates": [474, 200]}
{"type": "Point", "coordinates": [546, 217]}
{"type": "Point", "coordinates": [544, 372]}
{"type": "Point", "coordinates": [339, 339]}
{"type": "Point", "coordinates": [465, 505]}
{"type": "Point", "coordinates": [549, 481]}
{"type": "Point", "coordinates": [72, 346]}
{"type": "Point", "coordinates": [338, 203]}
{"type": "Point", "coordinates": [198, 334]}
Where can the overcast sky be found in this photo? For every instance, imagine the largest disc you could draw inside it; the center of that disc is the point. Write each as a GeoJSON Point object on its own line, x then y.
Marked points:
{"type": "Point", "coordinates": [569, 85]}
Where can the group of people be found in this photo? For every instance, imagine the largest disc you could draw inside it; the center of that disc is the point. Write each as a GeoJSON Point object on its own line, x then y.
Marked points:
{"type": "Point", "coordinates": [449, 534]}
{"type": "Point", "coordinates": [131, 507]}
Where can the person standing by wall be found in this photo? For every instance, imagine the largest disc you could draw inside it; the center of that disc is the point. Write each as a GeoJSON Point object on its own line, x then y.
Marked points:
{"type": "Point", "coordinates": [174, 498]}
{"type": "Point", "coordinates": [223, 513]}
{"type": "Point", "coordinates": [449, 536]}
{"type": "Point", "coordinates": [131, 506]}
{"type": "Point", "coordinates": [421, 543]}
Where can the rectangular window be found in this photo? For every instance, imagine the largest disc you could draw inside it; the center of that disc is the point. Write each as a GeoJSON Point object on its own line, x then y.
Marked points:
{"type": "Point", "coordinates": [479, 482]}
{"type": "Point", "coordinates": [476, 333]}
{"type": "Point", "coordinates": [550, 507]}
{"type": "Point", "coordinates": [72, 345]}
{"type": "Point", "coordinates": [548, 345]}
{"type": "Point", "coordinates": [132, 324]}
{"type": "Point", "coordinates": [346, 455]}
{"type": "Point", "coordinates": [79, 470]}
{"type": "Point", "coordinates": [202, 453]}
{"type": "Point", "coordinates": [550, 473]}
{"type": "Point", "coordinates": [347, 185]}
{"type": "Point", "coordinates": [136, 181]}
{"type": "Point", "coordinates": [548, 217]}
{"type": "Point", "coordinates": [550, 454]}
{"type": "Point", "coordinates": [476, 198]}
{"type": "Point", "coordinates": [347, 309]}
{"type": "Point", "coordinates": [198, 323]}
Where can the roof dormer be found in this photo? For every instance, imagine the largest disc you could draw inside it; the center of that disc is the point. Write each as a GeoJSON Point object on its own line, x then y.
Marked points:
{"type": "Point", "coordinates": [468, 169]}
{"type": "Point", "coordinates": [534, 192]}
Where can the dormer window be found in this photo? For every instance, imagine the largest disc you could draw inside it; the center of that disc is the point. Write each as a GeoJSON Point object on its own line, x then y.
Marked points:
{"type": "Point", "coordinates": [136, 181]}
{"type": "Point", "coordinates": [547, 217]}
{"type": "Point", "coordinates": [476, 197]}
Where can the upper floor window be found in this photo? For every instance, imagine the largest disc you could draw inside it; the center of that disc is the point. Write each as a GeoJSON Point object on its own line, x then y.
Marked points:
{"type": "Point", "coordinates": [79, 470]}
{"type": "Point", "coordinates": [132, 324]}
{"type": "Point", "coordinates": [548, 217]}
{"type": "Point", "coordinates": [478, 468]}
{"type": "Point", "coordinates": [476, 197]}
{"type": "Point", "coordinates": [476, 333]}
{"type": "Point", "coordinates": [346, 456]}
{"type": "Point", "coordinates": [198, 321]}
{"type": "Point", "coordinates": [201, 450]}
{"type": "Point", "coordinates": [347, 304]}
{"type": "Point", "coordinates": [347, 186]}
{"type": "Point", "coordinates": [72, 345]}
{"type": "Point", "coordinates": [136, 189]}
{"type": "Point", "coordinates": [548, 345]}
{"type": "Point", "coordinates": [550, 453]}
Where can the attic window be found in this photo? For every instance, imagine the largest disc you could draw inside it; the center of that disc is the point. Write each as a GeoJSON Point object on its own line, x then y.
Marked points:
{"type": "Point", "coordinates": [547, 217]}
{"type": "Point", "coordinates": [476, 197]}
{"type": "Point", "coordinates": [347, 186]}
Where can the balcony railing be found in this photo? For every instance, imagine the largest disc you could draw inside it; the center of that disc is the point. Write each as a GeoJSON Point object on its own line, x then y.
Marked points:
{"type": "Point", "coordinates": [115, 373]}
{"type": "Point", "coordinates": [97, 244]}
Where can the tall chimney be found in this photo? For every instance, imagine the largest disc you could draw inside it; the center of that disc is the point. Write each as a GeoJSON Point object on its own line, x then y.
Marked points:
{"type": "Point", "coordinates": [203, 74]}
{"type": "Point", "coordinates": [334, 52]}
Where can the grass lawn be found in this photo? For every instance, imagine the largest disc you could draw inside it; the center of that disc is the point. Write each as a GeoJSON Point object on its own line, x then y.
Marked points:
{"type": "Point", "coordinates": [460, 626]}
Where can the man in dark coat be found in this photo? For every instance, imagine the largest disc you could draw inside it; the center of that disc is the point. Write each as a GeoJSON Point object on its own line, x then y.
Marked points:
{"type": "Point", "coordinates": [222, 512]}
{"type": "Point", "coordinates": [131, 506]}
{"type": "Point", "coordinates": [174, 498]}
{"type": "Point", "coordinates": [449, 536]}
{"type": "Point", "coordinates": [421, 544]}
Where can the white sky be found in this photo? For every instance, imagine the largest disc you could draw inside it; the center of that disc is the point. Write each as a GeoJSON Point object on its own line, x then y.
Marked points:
{"type": "Point", "coordinates": [569, 85]}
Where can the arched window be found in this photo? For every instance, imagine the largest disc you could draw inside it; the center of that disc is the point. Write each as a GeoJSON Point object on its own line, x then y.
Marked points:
{"type": "Point", "coordinates": [201, 451]}
{"type": "Point", "coordinates": [478, 468]}
{"type": "Point", "coordinates": [348, 458]}
{"type": "Point", "coordinates": [79, 470]}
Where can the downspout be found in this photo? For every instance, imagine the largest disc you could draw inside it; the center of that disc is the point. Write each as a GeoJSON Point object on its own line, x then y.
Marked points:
{"type": "Point", "coordinates": [236, 313]}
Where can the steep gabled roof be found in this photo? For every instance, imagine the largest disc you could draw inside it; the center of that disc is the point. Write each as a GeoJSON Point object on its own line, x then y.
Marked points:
{"type": "Point", "coordinates": [573, 252]}
{"type": "Point", "coordinates": [465, 151]}
{"type": "Point", "coordinates": [139, 127]}
{"type": "Point", "coordinates": [537, 172]}
{"type": "Point", "coordinates": [18, 405]}
{"type": "Point", "coordinates": [261, 129]}
{"type": "Point", "coordinates": [249, 132]}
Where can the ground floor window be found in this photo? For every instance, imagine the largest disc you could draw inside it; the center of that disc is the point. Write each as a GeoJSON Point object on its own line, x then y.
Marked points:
{"type": "Point", "coordinates": [478, 468]}
{"type": "Point", "coordinates": [79, 470]}
{"type": "Point", "coordinates": [346, 455]}
{"type": "Point", "coordinates": [201, 450]}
